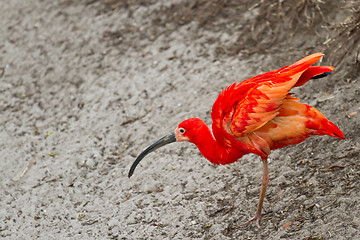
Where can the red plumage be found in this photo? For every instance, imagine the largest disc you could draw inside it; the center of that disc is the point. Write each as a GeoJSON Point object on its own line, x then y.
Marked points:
{"type": "Point", "coordinates": [256, 116]}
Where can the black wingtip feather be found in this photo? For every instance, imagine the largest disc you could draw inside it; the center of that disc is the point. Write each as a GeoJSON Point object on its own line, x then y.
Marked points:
{"type": "Point", "coordinates": [324, 74]}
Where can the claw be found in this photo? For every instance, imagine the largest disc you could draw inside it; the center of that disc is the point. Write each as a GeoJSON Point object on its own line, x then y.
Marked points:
{"type": "Point", "coordinates": [255, 220]}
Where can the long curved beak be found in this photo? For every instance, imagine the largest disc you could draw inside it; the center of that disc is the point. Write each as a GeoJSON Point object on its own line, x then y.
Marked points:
{"type": "Point", "coordinates": [159, 143]}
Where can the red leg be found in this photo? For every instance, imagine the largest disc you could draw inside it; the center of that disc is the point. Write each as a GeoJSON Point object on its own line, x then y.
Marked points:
{"type": "Point", "coordinates": [265, 181]}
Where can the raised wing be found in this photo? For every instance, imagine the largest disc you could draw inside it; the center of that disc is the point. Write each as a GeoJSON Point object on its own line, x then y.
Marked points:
{"type": "Point", "coordinates": [242, 108]}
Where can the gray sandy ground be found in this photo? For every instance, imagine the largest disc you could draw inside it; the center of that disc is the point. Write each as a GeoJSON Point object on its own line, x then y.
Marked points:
{"type": "Point", "coordinates": [78, 105]}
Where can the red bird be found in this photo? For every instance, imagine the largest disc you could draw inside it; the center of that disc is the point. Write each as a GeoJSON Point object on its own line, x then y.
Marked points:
{"type": "Point", "coordinates": [256, 116]}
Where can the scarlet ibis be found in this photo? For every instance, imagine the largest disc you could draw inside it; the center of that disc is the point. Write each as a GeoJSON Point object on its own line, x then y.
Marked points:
{"type": "Point", "coordinates": [256, 116]}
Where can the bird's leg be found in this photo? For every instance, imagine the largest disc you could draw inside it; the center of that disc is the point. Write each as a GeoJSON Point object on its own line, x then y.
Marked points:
{"type": "Point", "coordinates": [265, 181]}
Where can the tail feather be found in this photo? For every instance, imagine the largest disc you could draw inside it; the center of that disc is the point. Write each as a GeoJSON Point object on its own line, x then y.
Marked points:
{"type": "Point", "coordinates": [332, 130]}
{"type": "Point", "coordinates": [318, 124]}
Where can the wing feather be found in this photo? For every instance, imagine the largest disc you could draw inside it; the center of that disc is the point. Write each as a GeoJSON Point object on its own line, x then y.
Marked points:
{"type": "Point", "coordinates": [247, 106]}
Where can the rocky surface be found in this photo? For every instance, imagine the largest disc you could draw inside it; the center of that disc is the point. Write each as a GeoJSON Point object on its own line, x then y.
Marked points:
{"type": "Point", "coordinates": [85, 86]}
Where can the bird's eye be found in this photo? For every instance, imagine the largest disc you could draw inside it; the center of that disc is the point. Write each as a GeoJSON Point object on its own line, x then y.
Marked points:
{"type": "Point", "coordinates": [182, 131]}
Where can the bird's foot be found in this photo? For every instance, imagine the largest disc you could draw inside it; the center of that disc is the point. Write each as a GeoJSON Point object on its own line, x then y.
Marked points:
{"type": "Point", "coordinates": [255, 220]}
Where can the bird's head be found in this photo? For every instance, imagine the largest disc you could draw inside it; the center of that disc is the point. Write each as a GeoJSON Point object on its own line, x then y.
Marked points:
{"type": "Point", "coordinates": [187, 130]}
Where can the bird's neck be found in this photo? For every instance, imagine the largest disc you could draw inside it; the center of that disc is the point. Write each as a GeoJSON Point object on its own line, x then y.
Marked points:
{"type": "Point", "coordinates": [214, 151]}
